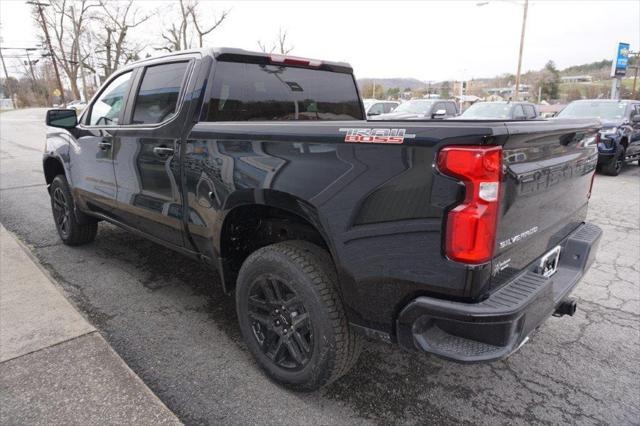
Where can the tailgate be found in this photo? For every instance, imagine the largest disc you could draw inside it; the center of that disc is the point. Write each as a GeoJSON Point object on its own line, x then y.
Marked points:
{"type": "Point", "coordinates": [548, 172]}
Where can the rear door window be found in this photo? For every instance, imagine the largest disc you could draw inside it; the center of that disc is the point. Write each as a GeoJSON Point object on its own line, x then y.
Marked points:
{"type": "Point", "coordinates": [518, 113]}
{"type": "Point", "coordinates": [530, 111]}
{"type": "Point", "coordinates": [257, 92]}
{"type": "Point", "coordinates": [451, 108]}
{"type": "Point", "coordinates": [157, 96]}
{"type": "Point", "coordinates": [376, 109]}
{"type": "Point", "coordinates": [389, 106]}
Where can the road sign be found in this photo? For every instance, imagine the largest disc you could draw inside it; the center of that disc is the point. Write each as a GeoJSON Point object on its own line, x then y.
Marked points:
{"type": "Point", "coordinates": [56, 92]}
{"type": "Point", "coordinates": [621, 61]}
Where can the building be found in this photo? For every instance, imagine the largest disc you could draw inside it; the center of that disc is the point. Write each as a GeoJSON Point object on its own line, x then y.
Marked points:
{"type": "Point", "coordinates": [508, 92]}
{"type": "Point", "coordinates": [576, 79]}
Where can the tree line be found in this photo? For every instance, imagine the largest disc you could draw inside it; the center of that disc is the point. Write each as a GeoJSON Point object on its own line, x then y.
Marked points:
{"type": "Point", "coordinates": [85, 41]}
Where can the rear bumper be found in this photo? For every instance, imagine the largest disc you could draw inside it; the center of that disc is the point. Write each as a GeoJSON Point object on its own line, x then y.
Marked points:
{"type": "Point", "coordinates": [496, 327]}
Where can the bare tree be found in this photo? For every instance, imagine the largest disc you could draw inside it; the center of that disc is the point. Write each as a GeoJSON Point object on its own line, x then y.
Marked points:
{"type": "Point", "coordinates": [116, 48]}
{"type": "Point", "coordinates": [280, 44]}
{"type": "Point", "coordinates": [203, 31]}
{"type": "Point", "coordinates": [68, 19]}
{"type": "Point", "coordinates": [180, 36]}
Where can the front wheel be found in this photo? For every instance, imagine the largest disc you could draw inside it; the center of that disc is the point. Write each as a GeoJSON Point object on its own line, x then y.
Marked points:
{"type": "Point", "coordinates": [291, 315]}
{"type": "Point", "coordinates": [614, 167]}
{"type": "Point", "coordinates": [72, 232]}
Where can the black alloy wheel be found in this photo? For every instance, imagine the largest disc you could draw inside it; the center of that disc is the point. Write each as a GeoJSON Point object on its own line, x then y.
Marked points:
{"type": "Point", "coordinates": [291, 315]}
{"type": "Point", "coordinates": [74, 227]}
{"type": "Point", "coordinates": [61, 212]}
{"type": "Point", "coordinates": [280, 323]}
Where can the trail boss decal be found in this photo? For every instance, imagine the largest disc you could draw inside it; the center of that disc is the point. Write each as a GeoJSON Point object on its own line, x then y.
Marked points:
{"type": "Point", "coordinates": [394, 136]}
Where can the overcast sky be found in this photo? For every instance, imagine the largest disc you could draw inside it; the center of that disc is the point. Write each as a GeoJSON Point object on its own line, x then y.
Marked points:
{"type": "Point", "coordinates": [430, 40]}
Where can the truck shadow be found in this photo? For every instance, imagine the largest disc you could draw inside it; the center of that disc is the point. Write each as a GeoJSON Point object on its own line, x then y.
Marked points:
{"type": "Point", "coordinates": [387, 385]}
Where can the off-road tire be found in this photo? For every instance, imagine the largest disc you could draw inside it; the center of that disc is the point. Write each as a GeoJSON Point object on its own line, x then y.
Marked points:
{"type": "Point", "coordinates": [309, 272]}
{"type": "Point", "coordinates": [79, 228]}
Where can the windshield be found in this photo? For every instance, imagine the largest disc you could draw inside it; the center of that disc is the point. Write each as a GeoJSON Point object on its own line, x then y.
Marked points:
{"type": "Point", "coordinates": [603, 110]}
{"type": "Point", "coordinates": [487, 110]}
{"type": "Point", "coordinates": [415, 107]}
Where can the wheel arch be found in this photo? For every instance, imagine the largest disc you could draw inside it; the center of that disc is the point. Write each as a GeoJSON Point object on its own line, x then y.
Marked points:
{"type": "Point", "coordinates": [256, 218]}
{"type": "Point", "coordinates": [52, 166]}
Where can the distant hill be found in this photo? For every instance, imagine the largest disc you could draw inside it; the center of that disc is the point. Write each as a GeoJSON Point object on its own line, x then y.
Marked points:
{"type": "Point", "coordinates": [598, 69]}
{"type": "Point", "coordinates": [389, 83]}
{"type": "Point", "coordinates": [588, 69]}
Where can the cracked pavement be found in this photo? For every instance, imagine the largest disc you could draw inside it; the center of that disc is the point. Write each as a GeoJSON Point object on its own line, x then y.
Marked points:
{"type": "Point", "coordinates": [167, 318]}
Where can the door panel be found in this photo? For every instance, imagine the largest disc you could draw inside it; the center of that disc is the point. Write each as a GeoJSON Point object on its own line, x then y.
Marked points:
{"type": "Point", "coordinates": [147, 160]}
{"type": "Point", "coordinates": [148, 186]}
{"type": "Point", "coordinates": [92, 175]}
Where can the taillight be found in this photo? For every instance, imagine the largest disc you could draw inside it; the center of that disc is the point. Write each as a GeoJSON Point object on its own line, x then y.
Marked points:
{"type": "Point", "coordinates": [471, 226]}
{"type": "Point", "coordinates": [293, 60]}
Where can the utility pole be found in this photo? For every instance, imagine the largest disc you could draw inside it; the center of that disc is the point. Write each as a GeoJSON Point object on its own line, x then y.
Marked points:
{"type": "Point", "coordinates": [33, 75]}
{"type": "Point", "coordinates": [4, 66]}
{"type": "Point", "coordinates": [524, 23]}
{"type": "Point", "coordinates": [48, 39]}
{"type": "Point", "coordinates": [635, 74]}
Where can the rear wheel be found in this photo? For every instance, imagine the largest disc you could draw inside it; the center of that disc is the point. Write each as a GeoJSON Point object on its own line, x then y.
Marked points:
{"type": "Point", "coordinates": [72, 231]}
{"type": "Point", "coordinates": [614, 166]}
{"type": "Point", "coordinates": [291, 315]}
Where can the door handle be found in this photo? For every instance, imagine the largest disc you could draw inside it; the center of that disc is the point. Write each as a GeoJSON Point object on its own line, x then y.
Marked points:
{"type": "Point", "coordinates": [105, 144]}
{"type": "Point", "coordinates": [162, 151]}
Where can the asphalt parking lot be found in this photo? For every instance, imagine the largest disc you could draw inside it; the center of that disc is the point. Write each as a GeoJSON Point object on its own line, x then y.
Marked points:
{"type": "Point", "coordinates": [167, 318]}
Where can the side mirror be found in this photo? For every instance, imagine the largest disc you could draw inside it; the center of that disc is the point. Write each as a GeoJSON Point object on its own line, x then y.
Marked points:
{"type": "Point", "coordinates": [62, 118]}
{"type": "Point", "coordinates": [635, 120]}
{"type": "Point", "coordinates": [372, 113]}
{"type": "Point", "coordinates": [439, 113]}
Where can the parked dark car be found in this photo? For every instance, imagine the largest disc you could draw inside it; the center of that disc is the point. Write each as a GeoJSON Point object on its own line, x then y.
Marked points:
{"type": "Point", "coordinates": [620, 133]}
{"type": "Point", "coordinates": [451, 238]}
{"type": "Point", "coordinates": [422, 109]}
{"type": "Point", "coordinates": [500, 111]}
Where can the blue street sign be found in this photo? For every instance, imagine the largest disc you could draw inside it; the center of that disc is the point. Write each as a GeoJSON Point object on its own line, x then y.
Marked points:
{"type": "Point", "coordinates": [621, 61]}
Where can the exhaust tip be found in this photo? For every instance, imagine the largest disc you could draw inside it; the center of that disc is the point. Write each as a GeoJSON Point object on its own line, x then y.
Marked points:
{"type": "Point", "coordinates": [566, 307]}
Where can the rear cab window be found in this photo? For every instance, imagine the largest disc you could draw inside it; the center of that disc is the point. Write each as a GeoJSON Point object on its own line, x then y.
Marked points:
{"type": "Point", "coordinates": [261, 92]}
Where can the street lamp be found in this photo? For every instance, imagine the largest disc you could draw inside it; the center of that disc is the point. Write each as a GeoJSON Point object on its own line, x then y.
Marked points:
{"type": "Point", "coordinates": [524, 23]}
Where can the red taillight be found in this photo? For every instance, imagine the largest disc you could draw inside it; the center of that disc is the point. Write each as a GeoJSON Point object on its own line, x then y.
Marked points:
{"type": "Point", "coordinates": [293, 60]}
{"type": "Point", "coordinates": [471, 226]}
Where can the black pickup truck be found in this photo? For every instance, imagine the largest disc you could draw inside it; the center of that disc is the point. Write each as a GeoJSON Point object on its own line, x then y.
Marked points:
{"type": "Point", "coordinates": [453, 238]}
